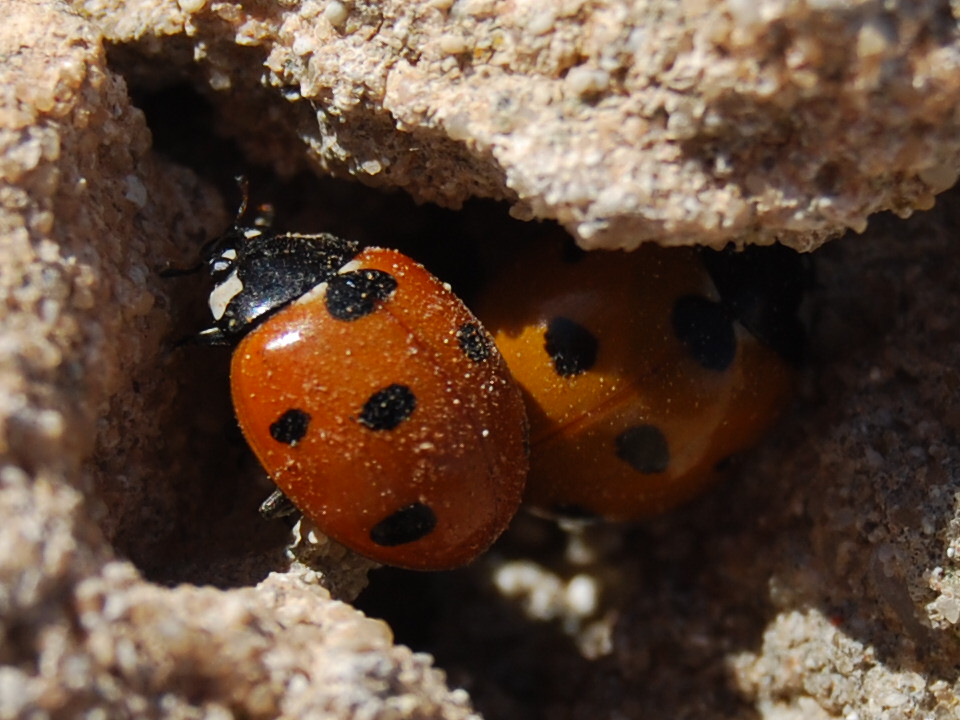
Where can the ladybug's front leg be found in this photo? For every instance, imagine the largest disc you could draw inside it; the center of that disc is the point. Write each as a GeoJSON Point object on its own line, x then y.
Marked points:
{"type": "Point", "coordinates": [277, 506]}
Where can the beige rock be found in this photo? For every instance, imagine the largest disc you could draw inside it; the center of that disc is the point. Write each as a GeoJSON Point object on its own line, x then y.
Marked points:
{"type": "Point", "coordinates": [690, 122]}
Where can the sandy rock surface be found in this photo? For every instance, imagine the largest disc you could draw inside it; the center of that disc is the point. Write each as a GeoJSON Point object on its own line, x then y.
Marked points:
{"type": "Point", "coordinates": [135, 575]}
{"type": "Point", "coordinates": [679, 122]}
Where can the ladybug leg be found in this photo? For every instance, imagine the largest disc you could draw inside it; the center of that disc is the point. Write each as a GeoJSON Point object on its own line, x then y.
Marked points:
{"type": "Point", "coordinates": [277, 506]}
{"type": "Point", "coordinates": [210, 336]}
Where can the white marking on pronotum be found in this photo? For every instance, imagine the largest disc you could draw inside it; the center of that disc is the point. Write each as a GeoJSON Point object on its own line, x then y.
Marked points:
{"type": "Point", "coordinates": [349, 267]}
{"type": "Point", "coordinates": [317, 292]}
{"type": "Point", "coordinates": [223, 263]}
{"type": "Point", "coordinates": [223, 293]}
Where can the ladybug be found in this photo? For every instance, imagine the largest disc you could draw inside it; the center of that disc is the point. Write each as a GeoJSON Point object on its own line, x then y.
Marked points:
{"type": "Point", "coordinates": [642, 372]}
{"type": "Point", "coordinates": [376, 402]}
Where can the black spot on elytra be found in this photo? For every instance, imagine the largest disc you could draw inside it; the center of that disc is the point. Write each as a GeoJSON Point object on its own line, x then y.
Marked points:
{"type": "Point", "coordinates": [474, 342]}
{"type": "Point", "coordinates": [355, 294]}
{"type": "Point", "coordinates": [644, 448]}
{"type": "Point", "coordinates": [406, 525]}
{"type": "Point", "coordinates": [571, 347]}
{"type": "Point", "coordinates": [388, 407]}
{"type": "Point", "coordinates": [706, 330]}
{"type": "Point", "coordinates": [290, 427]}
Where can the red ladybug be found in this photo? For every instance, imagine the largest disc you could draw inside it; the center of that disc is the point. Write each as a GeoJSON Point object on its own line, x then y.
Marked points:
{"type": "Point", "coordinates": [373, 398]}
{"type": "Point", "coordinates": [643, 371]}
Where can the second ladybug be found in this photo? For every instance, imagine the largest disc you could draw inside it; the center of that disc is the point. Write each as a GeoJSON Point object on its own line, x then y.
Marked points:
{"type": "Point", "coordinates": [643, 371]}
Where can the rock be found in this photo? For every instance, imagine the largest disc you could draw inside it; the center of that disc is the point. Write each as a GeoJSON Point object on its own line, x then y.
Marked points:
{"type": "Point", "coordinates": [697, 122]}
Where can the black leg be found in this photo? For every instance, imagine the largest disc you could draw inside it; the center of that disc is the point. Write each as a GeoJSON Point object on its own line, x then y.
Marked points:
{"type": "Point", "coordinates": [277, 506]}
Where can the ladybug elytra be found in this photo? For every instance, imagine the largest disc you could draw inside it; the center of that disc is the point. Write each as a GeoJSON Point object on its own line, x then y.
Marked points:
{"type": "Point", "coordinates": [373, 398]}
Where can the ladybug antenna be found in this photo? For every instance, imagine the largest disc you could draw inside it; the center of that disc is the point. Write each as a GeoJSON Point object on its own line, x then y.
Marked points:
{"type": "Point", "coordinates": [209, 248]}
{"type": "Point", "coordinates": [264, 216]}
{"type": "Point", "coordinates": [173, 271]}
{"type": "Point", "coordinates": [232, 235]}
{"type": "Point", "coordinates": [244, 184]}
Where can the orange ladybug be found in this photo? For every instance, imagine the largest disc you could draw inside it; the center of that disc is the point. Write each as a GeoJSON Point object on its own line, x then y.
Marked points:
{"type": "Point", "coordinates": [639, 375]}
{"type": "Point", "coordinates": [373, 398]}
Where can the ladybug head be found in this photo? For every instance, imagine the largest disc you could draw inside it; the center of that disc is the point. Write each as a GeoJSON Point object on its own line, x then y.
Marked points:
{"type": "Point", "coordinates": [257, 271]}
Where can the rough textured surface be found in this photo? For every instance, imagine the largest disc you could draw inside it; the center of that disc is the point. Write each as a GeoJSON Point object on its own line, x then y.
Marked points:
{"type": "Point", "coordinates": [821, 584]}
{"type": "Point", "coordinates": [682, 122]}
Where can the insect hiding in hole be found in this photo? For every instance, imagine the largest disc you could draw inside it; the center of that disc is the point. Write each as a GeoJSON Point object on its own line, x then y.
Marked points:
{"type": "Point", "coordinates": [643, 372]}
{"type": "Point", "coordinates": [373, 398]}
